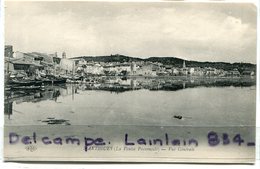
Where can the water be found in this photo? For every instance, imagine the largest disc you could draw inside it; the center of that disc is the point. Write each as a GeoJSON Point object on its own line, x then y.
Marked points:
{"type": "Point", "coordinates": [139, 101]}
{"type": "Point", "coordinates": [141, 107]}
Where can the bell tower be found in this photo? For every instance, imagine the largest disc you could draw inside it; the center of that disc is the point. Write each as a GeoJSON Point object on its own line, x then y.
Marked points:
{"type": "Point", "coordinates": [184, 65]}
{"type": "Point", "coordinates": [63, 55]}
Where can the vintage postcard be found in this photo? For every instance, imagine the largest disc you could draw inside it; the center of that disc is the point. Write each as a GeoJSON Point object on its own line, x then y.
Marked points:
{"type": "Point", "coordinates": [113, 81]}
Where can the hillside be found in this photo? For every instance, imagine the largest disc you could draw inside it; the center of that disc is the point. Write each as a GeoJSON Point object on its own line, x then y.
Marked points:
{"type": "Point", "coordinates": [176, 62]}
{"type": "Point", "coordinates": [111, 58]}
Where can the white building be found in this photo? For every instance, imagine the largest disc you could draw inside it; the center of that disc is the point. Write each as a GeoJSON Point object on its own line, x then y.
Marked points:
{"type": "Point", "coordinates": [96, 69]}
{"type": "Point", "coordinates": [67, 65]}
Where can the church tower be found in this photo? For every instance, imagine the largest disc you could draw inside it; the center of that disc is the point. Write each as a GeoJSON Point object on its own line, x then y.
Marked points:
{"type": "Point", "coordinates": [63, 55]}
{"type": "Point", "coordinates": [184, 65]}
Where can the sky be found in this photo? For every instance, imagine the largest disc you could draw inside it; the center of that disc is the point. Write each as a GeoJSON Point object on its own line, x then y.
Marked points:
{"type": "Point", "coordinates": [223, 32]}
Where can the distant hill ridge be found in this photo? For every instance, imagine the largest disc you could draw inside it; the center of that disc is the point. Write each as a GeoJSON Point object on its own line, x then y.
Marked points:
{"type": "Point", "coordinates": [176, 62]}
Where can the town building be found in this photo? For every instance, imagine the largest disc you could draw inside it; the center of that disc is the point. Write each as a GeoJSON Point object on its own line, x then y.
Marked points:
{"type": "Point", "coordinates": [148, 69]}
{"type": "Point", "coordinates": [235, 72]}
{"type": "Point", "coordinates": [66, 66]}
{"type": "Point", "coordinates": [9, 51]}
{"type": "Point", "coordinates": [248, 73]}
{"type": "Point", "coordinates": [94, 69]}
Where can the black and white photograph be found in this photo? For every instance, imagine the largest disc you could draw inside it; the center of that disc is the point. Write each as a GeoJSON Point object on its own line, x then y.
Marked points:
{"type": "Point", "coordinates": [130, 81]}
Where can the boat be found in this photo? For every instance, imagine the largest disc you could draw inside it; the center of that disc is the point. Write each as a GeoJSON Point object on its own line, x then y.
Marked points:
{"type": "Point", "coordinates": [51, 79]}
{"type": "Point", "coordinates": [177, 117]}
{"type": "Point", "coordinates": [25, 82]}
{"type": "Point", "coordinates": [7, 88]}
{"type": "Point", "coordinates": [59, 81]}
{"type": "Point", "coordinates": [54, 81]}
{"type": "Point", "coordinates": [26, 87]}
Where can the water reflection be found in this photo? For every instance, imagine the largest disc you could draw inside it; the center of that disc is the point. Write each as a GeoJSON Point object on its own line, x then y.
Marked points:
{"type": "Point", "coordinates": [8, 109]}
{"type": "Point", "coordinates": [113, 85]}
{"type": "Point", "coordinates": [169, 84]}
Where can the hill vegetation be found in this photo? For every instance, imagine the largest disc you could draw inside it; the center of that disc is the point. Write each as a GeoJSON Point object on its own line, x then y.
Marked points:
{"type": "Point", "coordinates": [176, 62]}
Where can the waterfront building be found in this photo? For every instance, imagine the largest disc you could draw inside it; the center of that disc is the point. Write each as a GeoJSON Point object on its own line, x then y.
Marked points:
{"type": "Point", "coordinates": [175, 71]}
{"type": "Point", "coordinates": [197, 71]}
{"type": "Point", "coordinates": [22, 67]}
{"type": "Point", "coordinates": [235, 72]}
{"type": "Point", "coordinates": [66, 66]}
{"type": "Point", "coordinates": [124, 67]}
{"type": "Point", "coordinates": [133, 68]}
{"type": "Point", "coordinates": [9, 51]}
{"type": "Point", "coordinates": [168, 69]}
{"type": "Point", "coordinates": [147, 69]}
{"type": "Point", "coordinates": [210, 71]}
{"type": "Point", "coordinates": [110, 68]}
{"type": "Point", "coordinates": [248, 72]}
{"type": "Point", "coordinates": [191, 71]}
{"type": "Point", "coordinates": [94, 69]}
{"type": "Point", "coordinates": [81, 62]}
